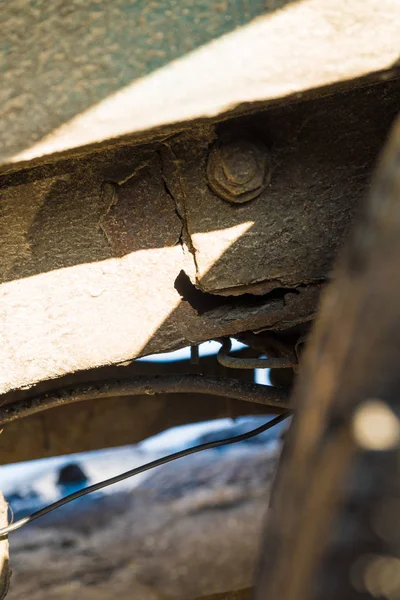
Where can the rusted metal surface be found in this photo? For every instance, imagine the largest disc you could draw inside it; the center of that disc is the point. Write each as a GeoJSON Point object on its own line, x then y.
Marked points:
{"type": "Point", "coordinates": [321, 155]}
{"type": "Point", "coordinates": [107, 257]}
{"type": "Point", "coordinates": [92, 71]}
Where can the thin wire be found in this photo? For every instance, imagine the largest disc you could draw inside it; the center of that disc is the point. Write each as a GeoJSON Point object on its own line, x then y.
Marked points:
{"type": "Point", "coordinates": [151, 465]}
{"type": "Point", "coordinates": [237, 362]}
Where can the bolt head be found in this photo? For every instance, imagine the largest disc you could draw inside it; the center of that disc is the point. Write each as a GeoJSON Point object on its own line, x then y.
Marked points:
{"type": "Point", "coordinates": [238, 171]}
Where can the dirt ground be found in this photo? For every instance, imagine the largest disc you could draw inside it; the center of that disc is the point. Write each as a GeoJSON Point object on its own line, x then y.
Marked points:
{"type": "Point", "coordinates": [190, 529]}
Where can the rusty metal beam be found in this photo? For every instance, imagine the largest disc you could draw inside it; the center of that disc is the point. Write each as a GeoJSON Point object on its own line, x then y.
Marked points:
{"type": "Point", "coordinates": [127, 252]}
{"type": "Point", "coordinates": [221, 387]}
{"type": "Point", "coordinates": [109, 422]}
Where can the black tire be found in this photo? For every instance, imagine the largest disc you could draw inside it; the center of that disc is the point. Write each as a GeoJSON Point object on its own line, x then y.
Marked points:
{"type": "Point", "coordinates": [333, 531]}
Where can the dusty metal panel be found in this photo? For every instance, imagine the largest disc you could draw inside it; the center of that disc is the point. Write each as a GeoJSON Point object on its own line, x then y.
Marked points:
{"type": "Point", "coordinates": [60, 59]}
{"type": "Point", "coordinates": [94, 249]}
{"type": "Point", "coordinates": [87, 71]}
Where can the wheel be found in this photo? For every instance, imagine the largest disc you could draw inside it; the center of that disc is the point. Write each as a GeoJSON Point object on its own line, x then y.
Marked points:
{"type": "Point", "coordinates": [333, 531]}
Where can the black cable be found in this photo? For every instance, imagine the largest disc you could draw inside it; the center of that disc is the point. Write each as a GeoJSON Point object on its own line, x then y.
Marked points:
{"type": "Point", "coordinates": [144, 384]}
{"type": "Point", "coordinates": [238, 362]}
{"type": "Point", "coordinates": [151, 465]}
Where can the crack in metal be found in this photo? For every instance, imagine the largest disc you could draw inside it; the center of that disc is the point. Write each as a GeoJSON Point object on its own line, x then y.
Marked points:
{"type": "Point", "coordinates": [170, 167]}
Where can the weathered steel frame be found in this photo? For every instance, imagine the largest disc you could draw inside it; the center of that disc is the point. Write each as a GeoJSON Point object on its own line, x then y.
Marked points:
{"type": "Point", "coordinates": [126, 252]}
